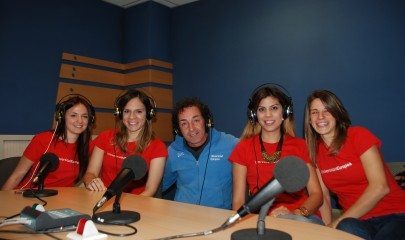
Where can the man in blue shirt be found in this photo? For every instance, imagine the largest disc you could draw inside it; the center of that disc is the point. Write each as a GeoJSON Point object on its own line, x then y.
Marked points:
{"type": "Point", "coordinates": [198, 158]}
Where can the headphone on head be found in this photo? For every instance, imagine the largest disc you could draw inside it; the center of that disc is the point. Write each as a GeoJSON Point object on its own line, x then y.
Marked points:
{"type": "Point", "coordinates": [274, 90]}
{"type": "Point", "coordinates": [61, 107]}
{"type": "Point", "coordinates": [123, 99]}
{"type": "Point", "coordinates": [192, 102]}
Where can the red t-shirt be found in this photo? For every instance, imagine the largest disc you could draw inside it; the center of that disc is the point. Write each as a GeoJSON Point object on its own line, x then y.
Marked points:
{"type": "Point", "coordinates": [248, 153]}
{"type": "Point", "coordinates": [344, 174]}
{"type": "Point", "coordinates": [113, 158]}
{"type": "Point", "coordinates": [68, 169]}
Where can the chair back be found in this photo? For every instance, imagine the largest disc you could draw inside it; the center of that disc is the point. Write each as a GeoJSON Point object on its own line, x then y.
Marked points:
{"type": "Point", "coordinates": [7, 166]}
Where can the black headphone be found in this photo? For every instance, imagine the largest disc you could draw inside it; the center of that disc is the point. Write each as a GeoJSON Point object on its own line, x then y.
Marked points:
{"type": "Point", "coordinates": [60, 109]}
{"type": "Point", "coordinates": [123, 99]}
{"type": "Point", "coordinates": [275, 90]}
{"type": "Point", "coordinates": [192, 102]}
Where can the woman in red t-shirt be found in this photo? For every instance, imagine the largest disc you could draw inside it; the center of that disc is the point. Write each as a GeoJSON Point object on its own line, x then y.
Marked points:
{"type": "Point", "coordinates": [69, 141]}
{"type": "Point", "coordinates": [267, 138]}
{"type": "Point", "coordinates": [132, 136]}
{"type": "Point", "coordinates": [351, 166]}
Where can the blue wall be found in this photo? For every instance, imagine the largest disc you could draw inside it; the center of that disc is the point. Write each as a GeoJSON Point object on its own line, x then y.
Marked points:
{"type": "Point", "coordinates": [147, 32]}
{"type": "Point", "coordinates": [223, 49]}
{"type": "Point", "coordinates": [33, 35]}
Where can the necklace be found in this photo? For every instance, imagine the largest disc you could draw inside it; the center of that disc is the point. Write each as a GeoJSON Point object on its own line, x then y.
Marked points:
{"type": "Point", "coordinates": [273, 158]}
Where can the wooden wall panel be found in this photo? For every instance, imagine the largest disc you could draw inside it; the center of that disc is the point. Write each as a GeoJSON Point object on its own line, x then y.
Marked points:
{"type": "Point", "coordinates": [148, 76]}
{"type": "Point", "coordinates": [91, 80]}
{"type": "Point", "coordinates": [93, 61]}
{"type": "Point", "coordinates": [159, 63]}
{"type": "Point", "coordinates": [100, 97]}
{"type": "Point", "coordinates": [163, 126]}
{"type": "Point", "coordinates": [157, 76]}
{"type": "Point", "coordinates": [92, 75]}
{"type": "Point", "coordinates": [148, 62]}
{"type": "Point", "coordinates": [104, 121]}
{"type": "Point", "coordinates": [163, 97]}
{"type": "Point", "coordinates": [120, 66]}
{"type": "Point", "coordinates": [102, 76]}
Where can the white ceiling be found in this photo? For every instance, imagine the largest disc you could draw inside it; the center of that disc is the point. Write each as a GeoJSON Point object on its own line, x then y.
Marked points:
{"type": "Point", "coordinates": [130, 3]}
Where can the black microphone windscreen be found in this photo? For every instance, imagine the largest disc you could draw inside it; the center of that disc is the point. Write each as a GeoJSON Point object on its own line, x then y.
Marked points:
{"type": "Point", "coordinates": [52, 159]}
{"type": "Point", "coordinates": [137, 164]}
{"type": "Point", "coordinates": [292, 173]}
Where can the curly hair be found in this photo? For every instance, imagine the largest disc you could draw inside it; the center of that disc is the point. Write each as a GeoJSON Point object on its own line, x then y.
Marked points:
{"type": "Point", "coordinates": [191, 102]}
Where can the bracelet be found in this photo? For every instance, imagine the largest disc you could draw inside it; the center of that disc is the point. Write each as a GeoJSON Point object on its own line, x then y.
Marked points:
{"type": "Point", "coordinates": [304, 211]}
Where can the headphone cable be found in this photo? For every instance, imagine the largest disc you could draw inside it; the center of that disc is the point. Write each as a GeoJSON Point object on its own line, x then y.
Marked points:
{"type": "Point", "coordinates": [257, 169]}
{"type": "Point", "coordinates": [37, 165]}
{"type": "Point", "coordinates": [203, 233]}
{"type": "Point", "coordinates": [206, 166]}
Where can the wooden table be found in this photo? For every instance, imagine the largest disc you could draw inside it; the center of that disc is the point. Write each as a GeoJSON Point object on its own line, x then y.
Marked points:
{"type": "Point", "coordinates": [159, 218]}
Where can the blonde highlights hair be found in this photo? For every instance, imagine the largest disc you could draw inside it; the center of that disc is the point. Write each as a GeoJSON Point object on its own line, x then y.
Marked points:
{"type": "Point", "coordinates": [252, 128]}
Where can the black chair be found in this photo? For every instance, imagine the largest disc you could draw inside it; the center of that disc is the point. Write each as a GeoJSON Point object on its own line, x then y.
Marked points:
{"type": "Point", "coordinates": [169, 193]}
{"type": "Point", "coordinates": [398, 171]}
{"type": "Point", "coordinates": [400, 178]}
{"type": "Point", "coordinates": [158, 193]}
{"type": "Point", "coordinates": [7, 166]}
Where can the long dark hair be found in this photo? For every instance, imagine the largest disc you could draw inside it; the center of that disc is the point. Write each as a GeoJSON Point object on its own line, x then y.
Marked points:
{"type": "Point", "coordinates": [335, 107]}
{"type": "Point", "coordinates": [146, 134]}
{"type": "Point", "coordinates": [83, 141]}
{"type": "Point", "coordinates": [252, 128]}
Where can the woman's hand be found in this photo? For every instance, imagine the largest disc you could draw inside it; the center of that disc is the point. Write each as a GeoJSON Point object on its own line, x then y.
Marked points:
{"type": "Point", "coordinates": [91, 180]}
{"type": "Point", "coordinates": [96, 185]}
{"type": "Point", "coordinates": [279, 211]}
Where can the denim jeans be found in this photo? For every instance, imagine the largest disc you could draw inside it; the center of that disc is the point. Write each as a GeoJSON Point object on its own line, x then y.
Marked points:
{"type": "Point", "coordinates": [311, 219]}
{"type": "Point", "coordinates": [385, 227]}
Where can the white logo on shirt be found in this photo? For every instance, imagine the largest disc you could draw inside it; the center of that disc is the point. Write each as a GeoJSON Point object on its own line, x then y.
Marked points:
{"type": "Point", "coordinates": [338, 168]}
{"type": "Point", "coordinates": [69, 161]}
{"type": "Point", "coordinates": [112, 155]}
{"type": "Point", "coordinates": [216, 157]}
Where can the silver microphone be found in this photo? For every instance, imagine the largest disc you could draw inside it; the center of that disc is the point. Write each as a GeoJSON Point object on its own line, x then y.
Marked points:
{"type": "Point", "coordinates": [101, 202]}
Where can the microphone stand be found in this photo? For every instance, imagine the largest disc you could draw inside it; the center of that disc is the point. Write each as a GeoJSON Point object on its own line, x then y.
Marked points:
{"type": "Point", "coordinates": [261, 233]}
{"type": "Point", "coordinates": [40, 192]}
{"type": "Point", "coordinates": [116, 216]}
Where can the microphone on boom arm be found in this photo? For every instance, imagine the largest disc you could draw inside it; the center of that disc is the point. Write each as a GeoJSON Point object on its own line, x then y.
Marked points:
{"type": "Point", "coordinates": [49, 162]}
{"type": "Point", "coordinates": [291, 174]}
{"type": "Point", "coordinates": [133, 168]}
